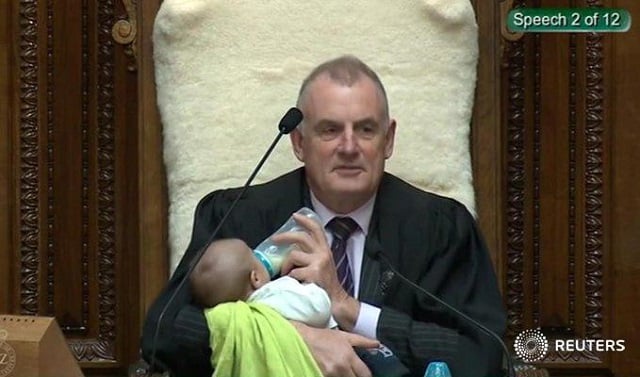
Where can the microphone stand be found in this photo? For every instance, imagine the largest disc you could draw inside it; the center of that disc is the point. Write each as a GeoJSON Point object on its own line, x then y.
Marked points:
{"type": "Point", "coordinates": [510, 369]}
{"type": "Point", "coordinates": [289, 122]}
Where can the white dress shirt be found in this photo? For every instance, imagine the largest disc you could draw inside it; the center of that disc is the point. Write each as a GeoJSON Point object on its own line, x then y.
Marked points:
{"type": "Point", "coordinates": [367, 320]}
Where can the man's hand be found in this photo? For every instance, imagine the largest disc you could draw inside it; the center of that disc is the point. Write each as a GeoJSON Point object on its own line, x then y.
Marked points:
{"type": "Point", "coordinates": [312, 262]}
{"type": "Point", "coordinates": [333, 350]}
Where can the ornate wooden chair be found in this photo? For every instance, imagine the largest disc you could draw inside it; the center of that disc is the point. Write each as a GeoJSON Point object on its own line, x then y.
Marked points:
{"type": "Point", "coordinates": [225, 71]}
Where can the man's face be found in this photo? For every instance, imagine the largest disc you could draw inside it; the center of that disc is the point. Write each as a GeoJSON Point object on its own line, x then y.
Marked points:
{"type": "Point", "coordinates": [344, 142]}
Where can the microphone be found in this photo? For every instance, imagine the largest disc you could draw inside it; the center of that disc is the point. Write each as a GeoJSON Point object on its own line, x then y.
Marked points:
{"type": "Point", "coordinates": [288, 123]}
{"type": "Point", "coordinates": [376, 254]}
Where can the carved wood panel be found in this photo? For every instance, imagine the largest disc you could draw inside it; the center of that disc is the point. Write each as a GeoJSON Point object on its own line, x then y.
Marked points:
{"type": "Point", "coordinates": [558, 189]}
{"type": "Point", "coordinates": [73, 230]}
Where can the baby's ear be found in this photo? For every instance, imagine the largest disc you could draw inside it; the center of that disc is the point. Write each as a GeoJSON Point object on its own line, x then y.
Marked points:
{"type": "Point", "coordinates": [256, 282]}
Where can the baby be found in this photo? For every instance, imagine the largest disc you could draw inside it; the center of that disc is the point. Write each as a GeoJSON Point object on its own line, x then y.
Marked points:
{"type": "Point", "coordinates": [229, 271]}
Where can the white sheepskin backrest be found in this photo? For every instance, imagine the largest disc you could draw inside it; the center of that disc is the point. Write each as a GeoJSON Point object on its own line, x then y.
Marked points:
{"type": "Point", "coordinates": [226, 71]}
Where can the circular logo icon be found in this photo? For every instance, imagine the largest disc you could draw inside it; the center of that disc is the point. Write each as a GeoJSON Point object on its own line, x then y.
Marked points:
{"type": "Point", "coordinates": [7, 355]}
{"type": "Point", "coordinates": [531, 345]}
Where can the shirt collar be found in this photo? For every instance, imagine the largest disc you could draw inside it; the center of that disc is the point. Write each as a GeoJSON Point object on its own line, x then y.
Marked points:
{"type": "Point", "coordinates": [362, 215]}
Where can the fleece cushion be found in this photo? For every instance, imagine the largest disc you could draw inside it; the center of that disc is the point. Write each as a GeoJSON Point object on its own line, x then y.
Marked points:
{"type": "Point", "coordinates": [226, 71]}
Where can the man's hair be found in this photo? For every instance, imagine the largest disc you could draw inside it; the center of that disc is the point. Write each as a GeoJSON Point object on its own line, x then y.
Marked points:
{"type": "Point", "coordinates": [345, 70]}
{"type": "Point", "coordinates": [222, 274]}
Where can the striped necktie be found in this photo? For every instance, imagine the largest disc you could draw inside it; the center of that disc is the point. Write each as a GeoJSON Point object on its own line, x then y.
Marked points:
{"type": "Point", "coordinates": [342, 228]}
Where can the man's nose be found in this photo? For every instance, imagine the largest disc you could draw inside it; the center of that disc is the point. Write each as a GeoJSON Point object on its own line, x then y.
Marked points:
{"type": "Point", "coordinates": [348, 141]}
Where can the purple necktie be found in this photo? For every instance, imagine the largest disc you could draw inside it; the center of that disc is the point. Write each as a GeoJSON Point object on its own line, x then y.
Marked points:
{"type": "Point", "coordinates": [342, 228]}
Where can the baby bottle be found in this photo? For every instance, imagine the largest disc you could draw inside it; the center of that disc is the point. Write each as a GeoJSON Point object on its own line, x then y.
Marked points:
{"type": "Point", "coordinates": [270, 254]}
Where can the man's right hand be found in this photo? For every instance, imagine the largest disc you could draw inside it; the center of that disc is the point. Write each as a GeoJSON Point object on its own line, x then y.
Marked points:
{"type": "Point", "coordinates": [333, 350]}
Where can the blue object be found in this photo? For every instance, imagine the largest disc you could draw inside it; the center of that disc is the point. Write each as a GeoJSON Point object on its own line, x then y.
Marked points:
{"type": "Point", "coordinates": [437, 369]}
{"type": "Point", "coordinates": [382, 362]}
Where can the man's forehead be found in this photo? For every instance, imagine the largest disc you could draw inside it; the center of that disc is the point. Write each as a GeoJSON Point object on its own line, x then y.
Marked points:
{"type": "Point", "coordinates": [340, 105]}
{"type": "Point", "coordinates": [326, 80]}
{"type": "Point", "coordinates": [324, 90]}
{"type": "Point", "coordinates": [365, 120]}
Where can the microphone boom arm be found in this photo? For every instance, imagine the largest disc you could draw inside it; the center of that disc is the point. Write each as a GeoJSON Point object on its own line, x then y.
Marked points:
{"type": "Point", "coordinates": [510, 369]}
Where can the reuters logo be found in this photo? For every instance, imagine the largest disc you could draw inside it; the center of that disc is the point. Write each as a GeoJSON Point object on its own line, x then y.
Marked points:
{"type": "Point", "coordinates": [531, 345]}
{"type": "Point", "coordinates": [7, 355]}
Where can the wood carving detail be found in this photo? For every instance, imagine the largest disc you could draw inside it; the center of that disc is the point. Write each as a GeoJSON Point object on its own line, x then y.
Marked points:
{"type": "Point", "coordinates": [84, 259]}
{"type": "Point", "coordinates": [102, 348]}
{"type": "Point", "coordinates": [505, 8]}
{"type": "Point", "coordinates": [573, 125]}
{"type": "Point", "coordinates": [50, 166]}
{"type": "Point", "coordinates": [515, 189]}
{"type": "Point", "coordinates": [569, 357]}
{"type": "Point", "coordinates": [519, 63]}
{"type": "Point", "coordinates": [36, 167]}
{"type": "Point", "coordinates": [536, 180]}
{"type": "Point", "coordinates": [125, 31]}
{"type": "Point", "coordinates": [29, 155]}
{"type": "Point", "coordinates": [594, 183]}
{"type": "Point", "coordinates": [106, 183]}
{"type": "Point", "coordinates": [92, 350]}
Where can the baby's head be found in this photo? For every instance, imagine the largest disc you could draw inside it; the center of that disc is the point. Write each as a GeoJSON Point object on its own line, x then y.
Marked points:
{"type": "Point", "coordinates": [228, 271]}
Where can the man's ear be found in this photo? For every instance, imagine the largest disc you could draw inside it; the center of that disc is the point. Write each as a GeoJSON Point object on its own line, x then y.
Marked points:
{"type": "Point", "coordinates": [297, 141]}
{"type": "Point", "coordinates": [390, 139]}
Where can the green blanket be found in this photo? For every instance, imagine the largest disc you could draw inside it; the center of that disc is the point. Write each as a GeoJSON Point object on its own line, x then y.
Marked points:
{"type": "Point", "coordinates": [253, 340]}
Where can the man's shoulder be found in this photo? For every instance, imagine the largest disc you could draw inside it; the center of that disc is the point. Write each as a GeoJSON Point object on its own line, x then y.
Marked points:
{"type": "Point", "coordinates": [401, 200]}
{"type": "Point", "coordinates": [405, 195]}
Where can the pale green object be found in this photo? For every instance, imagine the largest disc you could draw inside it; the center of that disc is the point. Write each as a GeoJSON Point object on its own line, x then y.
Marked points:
{"type": "Point", "coordinates": [252, 339]}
